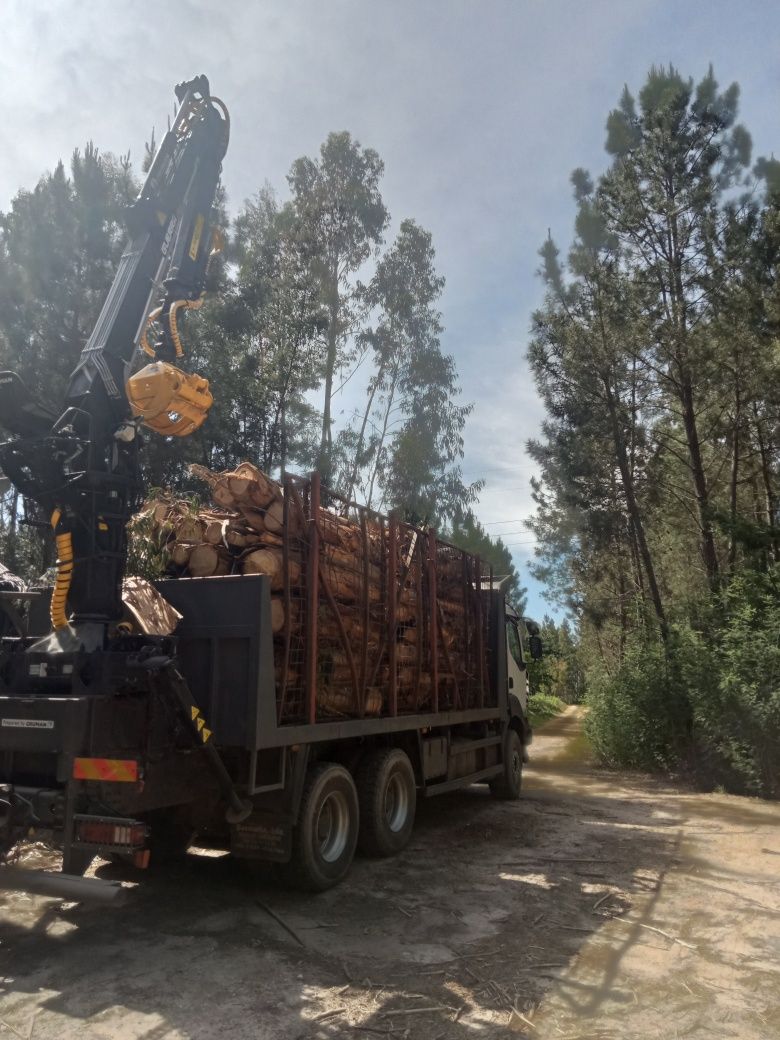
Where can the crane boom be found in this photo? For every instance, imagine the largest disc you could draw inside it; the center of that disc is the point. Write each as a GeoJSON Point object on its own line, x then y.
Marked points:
{"type": "Point", "coordinates": [82, 469]}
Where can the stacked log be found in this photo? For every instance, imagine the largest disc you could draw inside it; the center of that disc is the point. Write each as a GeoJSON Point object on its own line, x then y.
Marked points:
{"type": "Point", "coordinates": [241, 533]}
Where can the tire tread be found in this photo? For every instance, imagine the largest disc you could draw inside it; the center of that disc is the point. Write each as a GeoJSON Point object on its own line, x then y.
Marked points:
{"type": "Point", "coordinates": [370, 777]}
{"type": "Point", "coordinates": [300, 872]}
{"type": "Point", "coordinates": [502, 787]}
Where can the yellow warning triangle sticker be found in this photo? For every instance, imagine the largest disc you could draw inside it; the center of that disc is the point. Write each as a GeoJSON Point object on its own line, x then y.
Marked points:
{"type": "Point", "coordinates": [201, 723]}
{"type": "Point", "coordinates": [195, 711]}
{"type": "Point", "coordinates": [206, 734]}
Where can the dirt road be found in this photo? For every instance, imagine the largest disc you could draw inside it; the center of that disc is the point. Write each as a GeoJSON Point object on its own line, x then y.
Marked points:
{"type": "Point", "coordinates": [601, 905]}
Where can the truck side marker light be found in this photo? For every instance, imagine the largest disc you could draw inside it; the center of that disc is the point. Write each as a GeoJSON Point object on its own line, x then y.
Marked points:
{"type": "Point", "coordinates": [200, 723]}
{"type": "Point", "coordinates": [205, 735]}
{"type": "Point", "coordinates": [112, 770]}
{"type": "Point", "coordinates": [195, 712]}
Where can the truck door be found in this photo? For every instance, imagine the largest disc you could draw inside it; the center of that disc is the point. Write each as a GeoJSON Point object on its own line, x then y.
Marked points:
{"type": "Point", "coordinates": [516, 667]}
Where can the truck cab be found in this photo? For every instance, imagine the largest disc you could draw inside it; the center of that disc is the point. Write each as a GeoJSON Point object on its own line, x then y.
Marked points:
{"type": "Point", "coordinates": [522, 643]}
{"type": "Point", "coordinates": [516, 663]}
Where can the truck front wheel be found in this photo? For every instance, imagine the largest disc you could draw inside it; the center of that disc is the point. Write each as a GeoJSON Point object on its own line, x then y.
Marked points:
{"type": "Point", "coordinates": [325, 836]}
{"type": "Point", "coordinates": [507, 785]}
{"type": "Point", "coordinates": [388, 799]}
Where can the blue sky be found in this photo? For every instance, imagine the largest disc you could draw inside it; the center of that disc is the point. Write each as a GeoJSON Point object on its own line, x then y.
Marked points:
{"type": "Point", "coordinates": [480, 111]}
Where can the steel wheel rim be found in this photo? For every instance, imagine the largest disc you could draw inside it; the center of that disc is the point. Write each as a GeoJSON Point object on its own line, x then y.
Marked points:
{"type": "Point", "coordinates": [331, 828]}
{"type": "Point", "coordinates": [396, 803]}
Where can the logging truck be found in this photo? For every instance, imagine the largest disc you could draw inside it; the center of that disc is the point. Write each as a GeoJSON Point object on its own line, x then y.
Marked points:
{"type": "Point", "coordinates": [293, 715]}
{"type": "Point", "coordinates": [305, 670]}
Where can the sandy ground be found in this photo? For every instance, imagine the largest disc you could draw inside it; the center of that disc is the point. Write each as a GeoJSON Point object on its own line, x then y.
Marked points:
{"type": "Point", "coordinates": [601, 905]}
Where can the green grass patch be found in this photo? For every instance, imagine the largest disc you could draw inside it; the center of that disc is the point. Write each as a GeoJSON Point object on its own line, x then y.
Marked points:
{"type": "Point", "coordinates": [543, 706]}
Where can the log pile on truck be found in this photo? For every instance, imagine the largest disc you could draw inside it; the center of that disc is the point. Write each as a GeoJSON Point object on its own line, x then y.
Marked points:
{"type": "Point", "coordinates": [395, 614]}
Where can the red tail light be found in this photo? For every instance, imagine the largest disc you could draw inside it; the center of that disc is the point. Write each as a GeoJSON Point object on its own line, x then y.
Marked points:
{"type": "Point", "coordinates": [122, 834]}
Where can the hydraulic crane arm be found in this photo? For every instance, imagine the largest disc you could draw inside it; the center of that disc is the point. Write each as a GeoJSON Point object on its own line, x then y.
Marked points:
{"type": "Point", "coordinates": [83, 469]}
{"type": "Point", "coordinates": [170, 247]}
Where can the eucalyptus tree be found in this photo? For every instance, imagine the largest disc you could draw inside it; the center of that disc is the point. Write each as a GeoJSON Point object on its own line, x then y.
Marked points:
{"type": "Point", "coordinates": [406, 448]}
{"type": "Point", "coordinates": [340, 219]}
{"type": "Point", "coordinates": [468, 533]}
{"type": "Point", "coordinates": [284, 325]}
{"type": "Point", "coordinates": [401, 298]}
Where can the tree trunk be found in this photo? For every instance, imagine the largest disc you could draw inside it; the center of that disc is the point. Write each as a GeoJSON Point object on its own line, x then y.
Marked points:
{"type": "Point", "coordinates": [708, 551]}
{"type": "Point", "coordinates": [766, 479]}
{"type": "Point", "coordinates": [380, 445]}
{"type": "Point", "coordinates": [325, 460]}
{"type": "Point", "coordinates": [627, 480]}
{"type": "Point", "coordinates": [359, 448]}
{"type": "Point", "coordinates": [734, 476]}
{"type": "Point", "coordinates": [283, 439]}
{"type": "Point", "coordinates": [623, 596]}
{"type": "Point", "coordinates": [636, 563]}
{"type": "Point", "coordinates": [680, 322]}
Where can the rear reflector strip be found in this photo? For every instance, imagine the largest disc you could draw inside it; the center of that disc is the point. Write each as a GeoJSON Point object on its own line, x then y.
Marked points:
{"type": "Point", "coordinates": [116, 770]}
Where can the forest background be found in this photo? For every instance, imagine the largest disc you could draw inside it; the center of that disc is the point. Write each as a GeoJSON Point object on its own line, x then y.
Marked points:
{"type": "Point", "coordinates": [655, 355]}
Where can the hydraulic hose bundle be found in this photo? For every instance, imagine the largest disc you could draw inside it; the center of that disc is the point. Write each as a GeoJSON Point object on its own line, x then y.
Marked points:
{"type": "Point", "coordinates": [59, 598]}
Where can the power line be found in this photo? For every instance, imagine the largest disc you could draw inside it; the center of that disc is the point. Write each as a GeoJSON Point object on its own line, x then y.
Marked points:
{"type": "Point", "coordinates": [492, 523]}
{"type": "Point", "coordinates": [498, 487]}
{"type": "Point", "coordinates": [506, 534]}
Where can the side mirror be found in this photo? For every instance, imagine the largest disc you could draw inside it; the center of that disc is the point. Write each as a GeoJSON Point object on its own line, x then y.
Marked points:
{"type": "Point", "coordinates": [536, 648]}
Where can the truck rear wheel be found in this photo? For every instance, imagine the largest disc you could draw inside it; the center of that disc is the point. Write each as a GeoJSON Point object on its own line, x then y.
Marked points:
{"type": "Point", "coordinates": [507, 785]}
{"type": "Point", "coordinates": [388, 799]}
{"type": "Point", "coordinates": [326, 834]}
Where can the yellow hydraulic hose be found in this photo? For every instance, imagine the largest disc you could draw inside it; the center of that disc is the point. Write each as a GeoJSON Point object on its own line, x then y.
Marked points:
{"type": "Point", "coordinates": [59, 598]}
{"type": "Point", "coordinates": [192, 305]}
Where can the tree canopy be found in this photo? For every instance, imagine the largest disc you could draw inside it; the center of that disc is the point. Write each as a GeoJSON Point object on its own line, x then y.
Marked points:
{"type": "Point", "coordinates": [306, 300]}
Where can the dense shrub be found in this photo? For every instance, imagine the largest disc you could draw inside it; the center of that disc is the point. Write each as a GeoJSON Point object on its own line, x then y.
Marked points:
{"type": "Point", "coordinates": [730, 662]}
{"type": "Point", "coordinates": [638, 714]}
{"type": "Point", "coordinates": [712, 704]}
{"type": "Point", "coordinates": [544, 706]}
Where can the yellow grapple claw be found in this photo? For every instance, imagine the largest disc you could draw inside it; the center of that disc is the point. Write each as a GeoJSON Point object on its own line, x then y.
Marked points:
{"type": "Point", "coordinates": [171, 402]}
